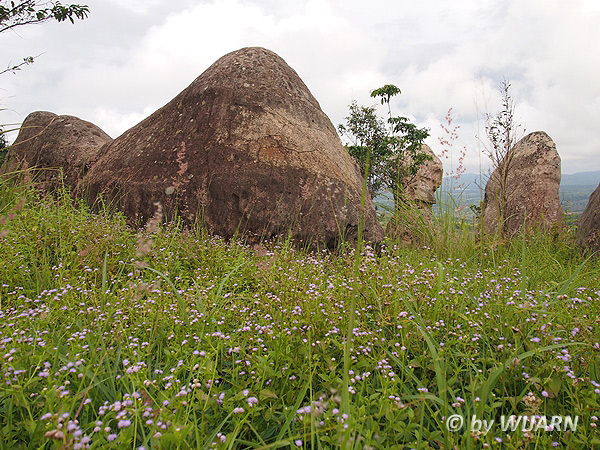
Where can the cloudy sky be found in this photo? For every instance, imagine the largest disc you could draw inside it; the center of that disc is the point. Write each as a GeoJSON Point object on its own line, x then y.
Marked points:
{"type": "Point", "coordinates": [130, 57]}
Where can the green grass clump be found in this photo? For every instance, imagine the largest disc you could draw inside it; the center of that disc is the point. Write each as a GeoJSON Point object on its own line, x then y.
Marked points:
{"type": "Point", "coordinates": [172, 338]}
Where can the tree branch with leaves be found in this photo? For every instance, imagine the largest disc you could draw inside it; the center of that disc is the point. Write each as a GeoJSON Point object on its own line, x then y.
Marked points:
{"type": "Point", "coordinates": [29, 12]}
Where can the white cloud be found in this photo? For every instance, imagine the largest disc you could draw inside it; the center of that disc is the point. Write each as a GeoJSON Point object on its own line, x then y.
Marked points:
{"type": "Point", "coordinates": [137, 6]}
{"type": "Point", "coordinates": [129, 58]}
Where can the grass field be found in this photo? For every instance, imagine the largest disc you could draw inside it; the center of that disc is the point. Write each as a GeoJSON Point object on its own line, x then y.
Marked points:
{"type": "Point", "coordinates": [174, 339]}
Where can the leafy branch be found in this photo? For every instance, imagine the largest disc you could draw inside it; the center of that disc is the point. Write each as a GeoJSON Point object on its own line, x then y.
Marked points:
{"type": "Point", "coordinates": [28, 12]}
{"type": "Point", "coordinates": [26, 61]}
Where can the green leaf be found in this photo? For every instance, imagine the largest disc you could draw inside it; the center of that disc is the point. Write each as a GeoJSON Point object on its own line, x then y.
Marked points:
{"type": "Point", "coordinates": [266, 393]}
{"type": "Point", "coordinates": [553, 387]}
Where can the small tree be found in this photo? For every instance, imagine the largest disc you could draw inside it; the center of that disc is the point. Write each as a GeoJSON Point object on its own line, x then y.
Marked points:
{"type": "Point", "coordinates": [407, 159]}
{"type": "Point", "coordinates": [368, 144]}
{"type": "Point", "coordinates": [16, 14]}
{"type": "Point", "coordinates": [388, 152]}
{"type": "Point", "coordinates": [502, 134]}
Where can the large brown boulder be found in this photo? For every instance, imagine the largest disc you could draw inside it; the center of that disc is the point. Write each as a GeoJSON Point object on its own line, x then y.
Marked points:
{"type": "Point", "coordinates": [525, 188]}
{"type": "Point", "coordinates": [588, 228]}
{"type": "Point", "coordinates": [244, 148]}
{"type": "Point", "coordinates": [60, 148]}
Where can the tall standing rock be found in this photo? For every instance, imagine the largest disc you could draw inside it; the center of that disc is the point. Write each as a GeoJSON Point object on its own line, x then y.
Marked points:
{"type": "Point", "coordinates": [422, 186]}
{"type": "Point", "coordinates": [411, 222]}
{"type": "Point", "coordinates": [531, 179]}
{"type": "Point", "coordinates": [588, 229]}
{"type": "Point", "coordinates": [53, 144]}
{"type": "Point", "coordinates": [244, 148]}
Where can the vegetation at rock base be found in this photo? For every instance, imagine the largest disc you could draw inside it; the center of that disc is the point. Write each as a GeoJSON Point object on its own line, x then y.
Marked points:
{"type": "Point", "coordinates": [171, 338]}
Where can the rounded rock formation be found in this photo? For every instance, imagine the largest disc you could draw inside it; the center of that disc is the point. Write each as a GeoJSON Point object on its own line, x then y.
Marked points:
{"type": "Point", "coordinates": [588, 227]}
{"type": "Point", "coordinates": [530, 175]}
{"type": "Point", "coordinates": [245, 148]}
{"type": "Point", "coordinates": [422, 186]}
{"type": "Point", "coordinates": [53, 144]}
{"type": "Point", "coordinates": [414, 217]}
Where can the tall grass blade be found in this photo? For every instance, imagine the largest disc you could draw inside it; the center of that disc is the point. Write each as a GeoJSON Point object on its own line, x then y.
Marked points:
{"type": "Point", "coordinates": [104, 279]}
{"type": "Point", "coordinates": [567, 284]}
{"type": "Point", "coordinates": [223, 282]}
{"type": "Point", "coordinates": [523, 270]}
{"type": "Point", "coordinates": [487, 387]}
{"type": "Point", "coordinates": [182, 305]}
{"type": "Point", "coordinates": [440, 277]}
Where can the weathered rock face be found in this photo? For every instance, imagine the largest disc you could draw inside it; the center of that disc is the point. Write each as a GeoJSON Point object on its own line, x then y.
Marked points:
{"type": "Point", "coordinates": [245, 148]}
{"type": "Point", "coordinates": [531, 195]}
{"type": "Point", "coordinates": [421, 188]}
{"type": "Point", "coordinates": [53, 143]}
{"type": "Point", "coordinates": [420, 191]}
{"type": "Point", "coordinates": [588, 229]}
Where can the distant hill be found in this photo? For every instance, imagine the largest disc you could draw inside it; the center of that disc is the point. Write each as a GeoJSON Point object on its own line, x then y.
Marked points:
{"type": "Point", "coordinates": [575, 191]}
{"type": "Point", "coordinates": [581, 179]}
